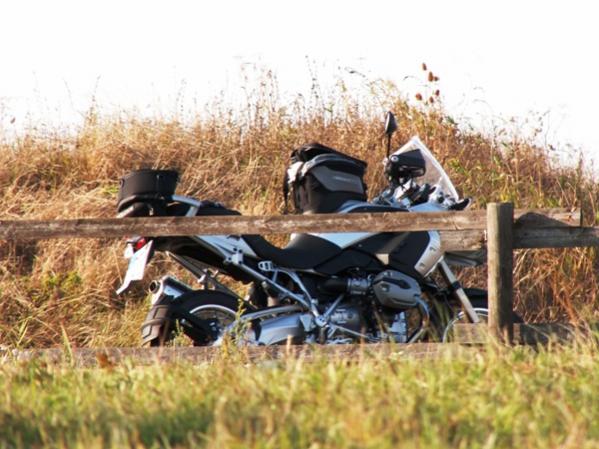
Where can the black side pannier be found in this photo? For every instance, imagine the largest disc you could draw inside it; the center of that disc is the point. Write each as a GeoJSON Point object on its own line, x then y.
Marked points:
{"type": "Point", "coordinates": [146, 189]}
{"type": "Point", "coordinates": [321, 179]}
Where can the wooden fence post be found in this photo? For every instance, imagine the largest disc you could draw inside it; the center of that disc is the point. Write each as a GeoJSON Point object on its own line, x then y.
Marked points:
{"type": "Point", "coordinates": [500, 226]}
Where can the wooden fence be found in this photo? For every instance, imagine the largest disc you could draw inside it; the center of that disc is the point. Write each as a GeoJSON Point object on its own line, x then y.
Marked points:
{"type": "Point", "coordinates": [500, 228]}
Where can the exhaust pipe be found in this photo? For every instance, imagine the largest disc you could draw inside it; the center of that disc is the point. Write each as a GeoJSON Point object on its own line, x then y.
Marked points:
{"type": "Point", "coordinates": [168, 286]}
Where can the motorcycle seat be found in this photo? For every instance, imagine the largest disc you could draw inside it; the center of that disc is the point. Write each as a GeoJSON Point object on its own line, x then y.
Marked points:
{"type": "Point", "coordinates": [303, 252]}
{"type": "Point", "coordinates": [306, 250]}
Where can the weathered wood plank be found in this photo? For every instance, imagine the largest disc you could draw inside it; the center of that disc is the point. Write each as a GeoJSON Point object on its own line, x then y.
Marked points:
{"type": "Point", "coordinates": [525, 238]}
{"type": "Point", "coordinates": [500, 218]}
{"type": "Point", "coordinates": [525, 334]}
{"type": "Point", "coordinates": [463, 240]}
{"type": "Point", "coordinates": [282, 224]}
{"type": "Point", "coordinates": [557, 237]}
{"type": "Point", "coordinates": [173, 226]}
{"type": "Point", "coordinates": [104, 357]}
{"type": "Point", "coordinates": [547, 218]}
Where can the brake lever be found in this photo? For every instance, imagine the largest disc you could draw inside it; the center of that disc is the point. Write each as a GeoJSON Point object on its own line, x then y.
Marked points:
{"type": "Point", "coordinates": [422, 195]}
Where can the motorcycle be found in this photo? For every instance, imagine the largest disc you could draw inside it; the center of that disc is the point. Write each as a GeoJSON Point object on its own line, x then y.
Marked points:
{"type": "Point", "coordinates": [327, 288]}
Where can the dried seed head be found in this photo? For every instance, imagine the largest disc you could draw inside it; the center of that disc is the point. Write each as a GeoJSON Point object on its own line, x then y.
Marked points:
{"type": "Point", "coordinates": [431, 100]}
{"type": "Point", "coordinates": [419, 97]}
{"type": "Point", "coordinates": [431, 77]}
{"type": "Point", "coordinates": [437, 93]}
{"type": "Point", "coordinates": [435, 78]}
{"type": "Point", "coordinates": [424, 67]}
{"type": "Point", "coordinates": [104, 361]}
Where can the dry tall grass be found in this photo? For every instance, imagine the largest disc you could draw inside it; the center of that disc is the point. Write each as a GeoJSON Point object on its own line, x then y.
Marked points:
{"type": "Point", "coordinates": [64, 289]}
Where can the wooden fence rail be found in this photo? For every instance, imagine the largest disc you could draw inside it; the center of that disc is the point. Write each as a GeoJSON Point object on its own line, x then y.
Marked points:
{"type": "Point", "coordinates": [501, 228]}
{"type": "Point", "coordinates": [277, 224]}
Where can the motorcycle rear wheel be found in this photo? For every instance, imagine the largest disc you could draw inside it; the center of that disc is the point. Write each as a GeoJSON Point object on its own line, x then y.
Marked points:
{"type": "Point", "coordinates": [216, 311]}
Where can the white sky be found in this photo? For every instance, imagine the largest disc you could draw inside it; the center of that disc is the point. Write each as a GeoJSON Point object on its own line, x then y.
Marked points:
{"type": "Point", "coordinates": [495, 59]}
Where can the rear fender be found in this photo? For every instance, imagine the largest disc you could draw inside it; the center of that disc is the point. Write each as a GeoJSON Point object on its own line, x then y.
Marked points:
{"type": "Point", "coordinates": [167, 310]}
{"type": "Point", "coordinates": [157, 324]}
{"type": "Point", "coordinates": [162, 318]}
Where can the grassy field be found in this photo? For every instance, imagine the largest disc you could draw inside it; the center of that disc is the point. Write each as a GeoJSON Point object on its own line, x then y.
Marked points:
{"type": "Point", "coordinates": [495, 399]}
{"type": "Point", "coordinates": [65, 289]}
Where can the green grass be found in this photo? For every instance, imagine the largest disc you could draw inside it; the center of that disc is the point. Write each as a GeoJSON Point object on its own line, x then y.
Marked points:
{"type": "Point", "coordinates": [496, 399]}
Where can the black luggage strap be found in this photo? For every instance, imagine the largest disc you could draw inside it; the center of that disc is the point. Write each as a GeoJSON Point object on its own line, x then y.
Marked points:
{"type": "Point", "coordinates": [286, 193]}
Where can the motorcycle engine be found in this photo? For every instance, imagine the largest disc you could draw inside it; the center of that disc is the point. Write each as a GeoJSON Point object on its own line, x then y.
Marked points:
{"type": "Point", "coordinates": [391, 288]}
{"type": "Point", "coordinates": [398, 329]}
{"type": "Point", "coordinates": [396, 290]}
{"type": "Point", "coordinates": [348, 316]}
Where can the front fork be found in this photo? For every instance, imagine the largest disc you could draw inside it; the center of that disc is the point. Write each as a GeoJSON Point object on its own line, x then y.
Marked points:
{"type": "Point", "coordinates": [458, 291]}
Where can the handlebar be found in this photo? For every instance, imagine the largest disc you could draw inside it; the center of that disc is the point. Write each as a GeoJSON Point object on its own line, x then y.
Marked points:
{"type": "Point", "coordinates": [411, 194]}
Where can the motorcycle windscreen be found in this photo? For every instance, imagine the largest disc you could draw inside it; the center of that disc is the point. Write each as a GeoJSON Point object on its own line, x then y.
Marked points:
{"type": "Point", "coordinates": [435, 175]}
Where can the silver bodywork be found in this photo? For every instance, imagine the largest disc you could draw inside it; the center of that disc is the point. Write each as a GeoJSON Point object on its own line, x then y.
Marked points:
{"type": "Point", "coordinates": [280, 329]}
{"type": "Point", "coordinates": [431, 256]}
{"type": "Point", "coordinates": [396, 290]}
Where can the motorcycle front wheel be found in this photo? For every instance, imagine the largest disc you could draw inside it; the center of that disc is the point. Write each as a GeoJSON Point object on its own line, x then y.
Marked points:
{"type": "Point", "coordinates": [448, 336]}
{"type": "Point", "coordinates": [482, 310]}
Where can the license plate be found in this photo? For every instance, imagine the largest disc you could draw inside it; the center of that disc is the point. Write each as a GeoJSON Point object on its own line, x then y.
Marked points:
{"type": "Point", "coordinates": [137, 266]}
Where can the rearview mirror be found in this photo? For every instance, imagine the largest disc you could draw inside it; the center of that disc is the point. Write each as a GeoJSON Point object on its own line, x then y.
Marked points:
{"type": "Point", "coordinates": [390, 124]}
{"type": "Point", "coordinates": [390, 128]}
